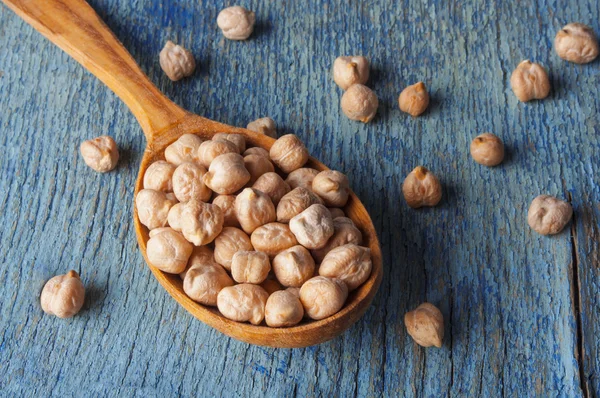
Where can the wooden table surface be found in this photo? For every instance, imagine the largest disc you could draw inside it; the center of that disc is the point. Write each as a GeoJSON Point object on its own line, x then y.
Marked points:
{"type": "Point", "coordinates": [521, 310]}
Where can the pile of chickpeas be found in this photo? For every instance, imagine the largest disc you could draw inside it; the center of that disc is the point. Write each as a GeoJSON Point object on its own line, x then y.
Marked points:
{"type": "Point", "coordinates": [252, 231]}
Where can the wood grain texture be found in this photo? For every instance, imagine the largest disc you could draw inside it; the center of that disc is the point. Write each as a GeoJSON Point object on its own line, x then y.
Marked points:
{"type": "Point", "coordinates": [521, 310]}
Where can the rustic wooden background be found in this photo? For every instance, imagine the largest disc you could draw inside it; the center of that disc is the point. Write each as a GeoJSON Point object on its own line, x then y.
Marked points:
{"type": "Point", "coordinates": [521, 310]}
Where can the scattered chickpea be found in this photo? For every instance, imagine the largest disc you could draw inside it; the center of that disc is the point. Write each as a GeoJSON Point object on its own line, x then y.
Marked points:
{"type": "Point", "coordinates": [230, 241]}
{"type": "Point", "coordinates": [577, 43]}
{"type": "Point", "coordinates": [303, 177]}
{"type": "Point", "coordinates": [295, 202]}
{"type": "Point", "coordinates": [188, 184]}
{"type": "Point", "coordinates": [359, 103]}
{"type": "Point", "coordinates": [336, 212]}
{"type": "Point", "coordinates": [313, 227]}
{"type": "Point", "coordinates": [200, 255]}
{"type": "Point", "coordinates": [236, 139]}
{"type": "Point", "coordinates": [273, 238]}
{"type": "Point", "coordinates": [425, 325]}
{"type": "Point", "coordinates": [158, 176]}
{"type": "Point", "coordinates": [253, 209]}
{"type": "Point", "coordinates": [209, 150]}
{"type": "Point", "coordinates": [204, 281]}
{"type": "Point", "coordinates": [530, 81]}
{"type": "Point", "coordinates": [153, 208]}
{"type": "Point", "coordinates": [289, 153]}
{"type": "Point", "coordinates": [283, 309]}
{"type": "Point", "coordinates": [322, 297]}
{"type": "Point", "coordinates": [414, 99]}
{"type": "Point", "coordinates": [200, 222]}
{"type": "Point", "coordinates": [548, 215]}
{"type": "Point", "coordinates": [487, 149]}
{"type": "Point", "coordinates": [250, 267]}
{"type": "Point", "coordinates": [227, 204]}
{"type": "Point", "coordinates": [350, 70]}
{"type": "Point", "coordinates": [257, 151]}
{"type": "Point", "coordinates": [332, 186]}
{"type": "Point", "coordinates": [100, 153]}
{"type": "Point", "coordinates": [63, 295]}
{"type": "Point", "coordinates": [344, 232]}
{"type": "Point", "coordinates": [176, 61]}
{"type": "Point", "coordinates": [421, 188]}
{"type": "Point", "coordinates": [264, 125]}
{"type": "Point", "coordinates": [168, 250]}
{"type": "Point", "coordinates": [236, 23]}
{"type": "Point", "coordinates": [243, 302]}
{"type": "Point", "coordinates": [293, 266]}
{"type": "Point", "coordinates": [350, 263]}
{"type": "Point", "coordinates": [257, 166]}
{"type": "Point", "coordinates": [273, 185]}
{"type": "Point", "coordinates": [227, 174]}
{"type": "Point", "coordinates": [185, 149]}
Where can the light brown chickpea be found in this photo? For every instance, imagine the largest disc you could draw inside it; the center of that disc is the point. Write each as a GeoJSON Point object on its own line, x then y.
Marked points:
{"type": "Point", "coordinates": [158, 176]}
{"type": "Point", "coordinates": [176, 61]}
{"type": "Point", "coordinates": [63, 295]}
{"type": "Point", "coordinates": [344, 232]}
{"type": "Point", "coordinates": [577, 43]}
{"type": "Point", "coordinates": [200, 222]}
{"type": "Point", "coordinates": [289, 153]}
{"type": "Point", "coordinates": [335, 212]}
{"type": "Point", "coordinates": [236, 139]}
{"type": "Point", "coordinates": [188, 184]}
{"type": "Point", "coordinates": [253, 209]}
{"type": "Point", "coordinates": [230, 241]}
{"type": "Point", "coordinates": [295, 202]}
{"type": "Point", "coordinates": [273, 238]}
{"type": "Point", "coordinates": [322, 297]}
{"type": "Point", "coordinates": [530, 81]}
{"type": "Point", "coordinates": [184, 150]}
{"type": "Point", "coordinates": [209, 150]}
{"type": "Point", "coordinates": [414, 99]}
{"type": "Point", "coordinates": [257, 166]}
{"type": "Point", "coordinates": [255, 150]}
{"type": "Point", "coordinates": [350, 70]}
{"type": "Point", "coordinates": [168, 250]}
{"type": "Point", "coordinates": [236, 23]}
{"type": "Point", "coordinates": [425, 325]}
{"type": "Point", "coordinates": [174, 216]}
{"type": "Point", "coordinates": [100, 153]}
{"type": "Point", "coordinates": [293, 266]}
{"type": "Point", "coordinates": [250, 267]}
{"type": "Point", "coordinates": [264, 125]}
{"type": "Point", "coordinates": [153, 208]}
{"type": "Point", "coordinates": [313, 227]}
{"type": "Point", "coordinates": [421, 188]}
{"type": "Point", "coordinates": [283, 309]}
{"type": "Point", "coordinates": [487, 149]}
{"type": "Point", "coordinates": [273, 185]}
{"type": "Point", "coordinates": [548, 215]}
{"type": "Point", "coordinates": [359, 103]}
{"type": "Point", "coordinates": [203, 282]}
{"type": "Point", "coordinates": [350, 263]}
{"type": "Point", "coordinates": [227, 174]}
{"type": "Point", "coordinates": [200, 255]}
{"type": "Point", "coordinates": [333, 187]}
{"type": "Point", "coordinates": [227, 204]}
{"type": "Point", "coordinates": [243, 303]}
{"type": "Point", "coordinates": [303, 177]}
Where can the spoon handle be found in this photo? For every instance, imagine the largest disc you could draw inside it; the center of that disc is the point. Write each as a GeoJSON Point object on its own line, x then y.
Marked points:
{"type": "Point", "coordinates": [76, 28]}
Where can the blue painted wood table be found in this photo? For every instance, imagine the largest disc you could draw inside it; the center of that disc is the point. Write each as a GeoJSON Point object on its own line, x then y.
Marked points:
{"type": "Point", "coordinates": [521, 310]}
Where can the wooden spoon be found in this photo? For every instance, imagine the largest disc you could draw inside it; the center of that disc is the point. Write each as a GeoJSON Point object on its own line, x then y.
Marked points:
{"type": "Point", "coordinates": [74, 27]}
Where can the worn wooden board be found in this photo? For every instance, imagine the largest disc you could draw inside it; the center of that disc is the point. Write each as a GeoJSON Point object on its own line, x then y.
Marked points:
{"type": "Point", "coordinates": [521, 311]}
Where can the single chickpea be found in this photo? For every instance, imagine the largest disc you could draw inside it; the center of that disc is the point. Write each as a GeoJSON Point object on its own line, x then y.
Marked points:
{"type": "Point", "coordinates": [209, 150]}
{"type": "Point", "coordinates": [295, 202]}
{"type": "Point", "coordinates": [322, 297]}
{"type": "Point", "coordinates": [336, 212]}
{"type": "Point", "coordinates": [257, 166]}
{"type": "Point", "coordinates": [174, 216]}
{"type": "Point", "coordinates": [264, 125]}
{"type": "Point", "coordinates": [153, 208]}
{"type": "Point", "coordinates": [227, 204]}
{"type": "Point", "coordinates": [530, 81]}
{"type": "Point", "coordinates": [303, 177]}
{"type": "Point", "coordinates": [227, 174]}
{"type": "Point", "coordinates": [414, 99]}
{"type": "Point", "coordinates": [313, 227]}
{"type": "Point", "coordinates": [289, 153]}
{"type": "Point", "coordinates": [158, 176]}
{"type": "Point", "coordinates": [100, 154]}
{"type": "Point", "coordinates": [421, 188]}
{"type": "Point", "coordinates": [200, 255]}
{"type": "Point", "coordinates": [350, 70]}
{"type": "Point", "coordinates": [168, 250]}
{"type": "Point", "coordinates": [184, 150]}
{"type": "Point", "coordinates": [548, 215]}
{"type": "Point", "coordinates": [293, 266]}
{"type": "Point", "coordinates": [344, 232]}
{"type": "Point", "coordinates": [350, 263]}
{"type": "Point", "coordinates": [257, 151]}
{"type": "Point", "coordinates": [63, 295]}
{"type": "Point", "coordinates": [188, 184]}
{"type": "Point", "coordinates": [577, 43]}
{"type": "Point", "coordinates": [271, 285]}
{"type": "Point", "coordinates": [253, 209]}
{"type": "Point", "coordinates": [243, 303]}
{"type": "Point", "coordinates": [487, 149]}
{"type": "Point", "coordinates": [273, 185]}
{"type": "Point", "coordinates": [204, 281]}
{"type": "Point", "coordinates": [273, 238]}
{"type": "Point", "coordinates": [176, 61]}
{"type": "Point", "coordinates": [333, 187]}
{"type": "Point", "coordinates": [250, 267]}
{"type": "Point", "coordinates": [236, 23]}
{"type": "Point", "coordinates": [236, 139]}
{"type": "Point", "coordinates": [425, 325]}
{"type": "Point", "coordinates": [359, 103]}
{"type": "Point", "coordinates": [283, 309]}
{"type": "Point", "coordinates": [230, 241]}
{"type": "Point", "coordinates": [200, 222]}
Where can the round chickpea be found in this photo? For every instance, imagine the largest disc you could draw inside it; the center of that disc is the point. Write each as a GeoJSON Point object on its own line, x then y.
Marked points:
{"type": "Point", "coordinates": [158, 176]}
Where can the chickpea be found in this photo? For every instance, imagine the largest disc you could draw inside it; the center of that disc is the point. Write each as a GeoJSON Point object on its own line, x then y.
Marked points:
{"type": "Point", "coordinates": [257, 151]}
{"type": "Point", "coordinates": [350, 70]}
{"type": "Point", "coordinates": [158, 176]}
{"type": "Point", "coordinates": [487, 150]}
{"type": "Point", "coordinates": [184, 150]}
{"type": "Point", "coordinates": [577, 43]}
{"type": "Point", "coordinates": [350, 263]}
{"type": "Point", "coordinates": [200, 222]}
{"type": "Point", "coordinates": [273, 238]}
{"type": "Point", "coordinates": [100, 154]}
{"type": "Point", "coordinates": [283, 309]}
{"type": "Point", "coordinates": [230, 241]}
{"type": "Point", "coordinates": [414, 99]}
{"type": "Point", "coordinates": [333, 187]}
{"type": "Point", "coordinates": [236, 23]}
{"type": "Point", "coordinates": [63, 295]}
{"type": "Point", "coordinates": [204, 281]}
{"type": "Point", "coordinates": [174, 216]}
{"type": "Point", "coordinates": [271, 285]}
{"type": "Point", "coordinates": [188, 183]}
{"type": "Point", "coordinates": [295, 202]}
{"type": "Point", "coordinates": [293, 266]}
{"type": "Point", "coordinates": [257, 166]}
{"type": "Point", "coordinates": [243, 303]}
{"type": "Point", "coordinates": [335, 212]}
{"type": "Point", "coordinates": [200, 255]}
{"type": "Point", "coordinates": [250, 267]}
{"type": "Point", "coordinates": [227, 204]}
{"type": "Point", "coordinates": [344, 232]}
{"type": "Point", "coordinates": [236, 139]}
{"type": "Point", "coordinates": [272, 185]}
{"type": "Point", "coordinates": [176, 61]}
{"type": "Point", "coordinates": [549, 215]}
{"type": "Point", "coordinates": [303, 177]}
{"type": "Point", "coordinates": [264, 125]}
{"type": "Point", "coordinates": [313, 227]}
{"type": "Point", "coordinates": [425, 325]}
{"type": "Point", "coordinates": [359, 103]}
{"type": "Point", "coordinates": [168, 250]}
{"type": "Point", "coordinates": [421, 188]}
{"type": "Point", "coordinates": [227, 174]}
{"type": "Point", "coordinates": [153, 208]}
{"type": "Point", "coordinates": [322, 297]}
{"type": "Point", "coordinates": [289, 153]}
{"type": "Point", "coordinates": [253, 209]}
{"type": "Point", "coordinates": [209, 150]}
{"type": "Point", "coordinates": [530, 81]}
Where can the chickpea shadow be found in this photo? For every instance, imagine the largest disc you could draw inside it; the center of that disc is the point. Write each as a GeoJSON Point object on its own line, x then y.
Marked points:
{"type": "Point", "coordinates": [94, 298]}
{"type": "Point", "coordinates": [125, 158]}
{"type": "Point", "coordinates": [262, 28]}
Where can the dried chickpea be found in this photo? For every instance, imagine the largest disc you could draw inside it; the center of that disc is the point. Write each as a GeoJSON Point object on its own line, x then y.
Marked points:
{"type": "Point", "coordinates": [289, 153]}
{"type": "Point", "coordinates": [200, 255]}
{"type": "Point", "coordinates": [253, 209]}
{"type": "Point", "coordinates": [530, 81]}
{"type": "Point", "coordinates": [271, 285]}
{"type": "Point", "coordinates": [273, 185]}
{"type": "Point", "coordinates": [283, 309]}
{"type": "Point", "coordinates": [236, 23]}
{"type": "Point", "coordinates": [421, 188]}
{"type": "Point", "coordinates": [158, 176]}
{"type": "Point", "coordinates": [184, 150]}
{"type": "Point", "coordinates": [243, 303]}
{"type": "Point", "coordinates": [332, 186]}
{"type": "Point", "coordinates": [204, 281]}
{"type": "Point", "coordinates": [255, 150]}
{"type": "Point", "coordinates": [264, 125]}
{"type": "Point", "coordinates": [273, 238]}
{"type": "Point", "coordinates": [425, 325]}
{"type": "Point", "coordinates": [487, 149]}
{"type": "Point", "coordinates": [414, 99]}
{"type": "Point", "coordinates": [303, 177]}
{"type": "Point", "coordinates": [174, 216]}
{"type": "Point", "coordinates": [257, 166]}
{"type": "Point", "coordinates": [350, 263]}
{"type": "Point", "coordinates": [176, 61]}
{"type": "Point", "coordinates": [236, 139]}
{"type": "Point", "coordinates": [188, 183]}
{"type": "Point", "coordinates": [293, 266]}
{"type": "Point", "coordinates": [227, 174]}
{"type": "Point", "coordinates": [548, 215]}
{"type": "Point", "coordinates": [577, 43]}
{"type": "Point", "coordinates": [168, 250]}
{"type": "Point", "coordinates": [344, 232]}
{"type": "Point", "coordinates": [359, 103]}
{"type": "Point", "coordinates": [209, 150]}
{"type": "Point", "coordinates": [230, 241]}
{"type": "Point", "coordinates": [350, 70]}
{"type": "Point", "coordinates": [322, 297]}
{"type": "Point", "coordinates": [153, 208]}
{"type": "Point", "coordinates": [63, 295]}
{"type": "Point", "coordinates": [227, 204]}
{"type": "Point", "coordinates": [335, 212]}
{"type": "Point", "coordinates": [295, 202]}
{"type": "Point", "coordinates": [100, 154]}
{"type": "Point", "coordinates": [313, 227]}
{"type": "Point", "coordinates": [200, 222]}
{"type": "Point", "coordinates": [250, 267]}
